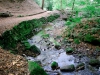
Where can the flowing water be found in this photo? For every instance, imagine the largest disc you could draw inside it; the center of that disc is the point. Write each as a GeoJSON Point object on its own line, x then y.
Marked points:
{"type": "Point", "coordinates": [46, 40]}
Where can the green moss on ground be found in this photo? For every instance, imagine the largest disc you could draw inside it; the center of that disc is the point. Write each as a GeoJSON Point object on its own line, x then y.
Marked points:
{"type": "Point", "coordinates": [35, 69]}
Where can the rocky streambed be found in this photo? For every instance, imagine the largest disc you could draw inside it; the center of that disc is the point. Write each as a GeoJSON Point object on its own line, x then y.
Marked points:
{"type": "Point", "coordinates": [53, 51]}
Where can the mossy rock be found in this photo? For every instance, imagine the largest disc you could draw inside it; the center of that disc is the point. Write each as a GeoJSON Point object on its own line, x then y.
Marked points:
{"type": "Point", "coordinates": [69, 50]}
{"type": "Point", "coordinates": [35, 49]}
{"type": "Point", "coordinates": [94, 62]}
{"type": "Point", "coordinates": [91, 39]}
{"type": "Point", "coordinates": [35, 69]}
{"type": "Point", "coordinates": [54, 65]}
{"type": "Point", "coordinates": [68, 68]}
{"type": "Point", "coordinates": [57, 46]}
{"type": "Point", "coordinates": [80, 66]}
{"type": "Point", "coordinates": [6, 14]}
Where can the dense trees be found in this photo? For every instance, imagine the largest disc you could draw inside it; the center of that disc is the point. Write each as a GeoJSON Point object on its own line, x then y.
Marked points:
{"type": "Point", "coordinates": [87, 6]}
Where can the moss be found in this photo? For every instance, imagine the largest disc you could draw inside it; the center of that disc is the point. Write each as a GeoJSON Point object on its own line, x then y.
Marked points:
{"type": "Point", "coordinates": [80, 66]}
{"type": "Point", "coordinates": [94, 62]}
{"type": "Point", "coordinates": [35, 69]}
{"type": "Point", "coordinates": [35, 49]}
{"type": "Point", "coordinates": [26, 44]}
{"type": "Point", "coordinates": [69, 50]}
{"type": "Point", "coordinates": [91, 39]}
{"type": "Point", "coordinates": [45, 36]}
{"type": "Point", "coordinates": [54, 65]}
{"type": "Point", "coordinates": [76, 41]}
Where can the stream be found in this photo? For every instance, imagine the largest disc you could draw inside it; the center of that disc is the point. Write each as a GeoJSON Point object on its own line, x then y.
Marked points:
{"type": "Point", "coordinates": [46, 40]}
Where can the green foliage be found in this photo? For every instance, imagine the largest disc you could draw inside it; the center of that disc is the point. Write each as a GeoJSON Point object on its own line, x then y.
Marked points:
{"type": "Point", "coordinates": [95, 30]}
{"type": "Point", "coordinates": [35, 69]}
{"type": "Point", "coordinates": [72, 21]}
{"type": "Point", "coordinates": [86, 27]}
{"type": "Point", "coordinates": [51, 18]}
{"type": "Point", "coordinates": [76, 41]}
{"type": "Point", "coordinates": [87, 32]}
{"type": "Point", "coordinates": [26, 44]}
{"type": "Point", "coordinates": [68, 23]}
{"type": "Point", "coordinates": [88, 38]}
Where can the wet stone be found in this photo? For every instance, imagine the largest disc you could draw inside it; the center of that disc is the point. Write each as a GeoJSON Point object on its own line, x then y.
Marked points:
{"type": "Point", "coordinates": [68, 68]}
{"type": "Point", "coordinates": [58, 47]}
{"type": "Point", "coordinates": [69, 50]}
{"type": "Point", "coordinates": [80, 66]}
{"type": "Point", "coordinates": [54, 65]}
{"type": "Point", "coordinates": [98, 58]}
{"type": "Point", "coordinates": [94, 62]}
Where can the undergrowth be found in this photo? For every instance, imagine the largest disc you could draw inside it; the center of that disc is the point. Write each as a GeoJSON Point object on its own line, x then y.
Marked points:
{"type": "Point", "coordinates": [87, 31]}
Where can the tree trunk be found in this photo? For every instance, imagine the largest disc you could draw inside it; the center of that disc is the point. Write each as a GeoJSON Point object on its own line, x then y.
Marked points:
{"type": "Point", "coordinates": [61, 4]}
{"type": "Point", "coordinates": [73, 8]}
{"type": "Point", "coordinates": [42, 4]}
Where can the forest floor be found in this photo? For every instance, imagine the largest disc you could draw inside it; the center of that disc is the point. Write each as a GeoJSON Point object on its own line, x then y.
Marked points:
{"type": "Point", "coordinates": [11, 64]}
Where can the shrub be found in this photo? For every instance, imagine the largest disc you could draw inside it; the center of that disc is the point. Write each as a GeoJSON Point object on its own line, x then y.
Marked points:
{"type": "Point", "coordinates": [76, 41]}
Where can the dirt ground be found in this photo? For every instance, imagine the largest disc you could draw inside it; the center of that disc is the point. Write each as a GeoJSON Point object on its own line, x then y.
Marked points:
{"type": "Point", "coordinates": [19, 7]}
{"type": "Point", "coordinates": [12, 64]}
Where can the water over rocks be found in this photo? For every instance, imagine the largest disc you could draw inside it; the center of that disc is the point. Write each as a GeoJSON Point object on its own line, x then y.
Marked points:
{"type": "Point", "coordinates": [53, 50]}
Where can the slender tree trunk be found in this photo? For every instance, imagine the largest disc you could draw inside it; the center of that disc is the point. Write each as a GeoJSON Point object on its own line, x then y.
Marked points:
{"type": "Point", "coordinates": [61, 4]}
{"type": "Point", "coordinates": [42, 4]}
{"type": "Point", "coordinates": [73, 8]}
